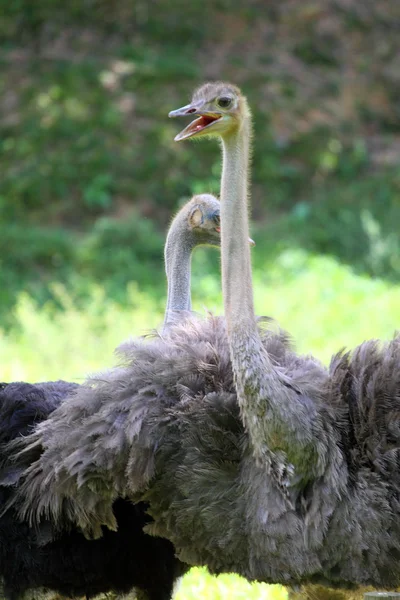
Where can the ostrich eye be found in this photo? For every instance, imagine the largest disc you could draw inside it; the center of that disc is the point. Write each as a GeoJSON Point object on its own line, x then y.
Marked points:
{"type": "Point", "coordinates": [224, 102]}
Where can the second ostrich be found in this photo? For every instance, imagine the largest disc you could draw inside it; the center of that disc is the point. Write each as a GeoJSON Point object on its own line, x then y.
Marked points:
{"type": "Point", "coordinates": [252, 459]}
{"type": "Point", "coordinates": [127, 558]}
{"type": "Point", "coordinates": [70, 564]}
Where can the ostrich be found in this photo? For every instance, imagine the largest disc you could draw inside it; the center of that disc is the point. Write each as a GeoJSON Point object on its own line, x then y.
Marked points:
{"type": "Point", "coordinates": [118, 561]}
{"type": "Point", "coordinates": [252, 459]}
{"type": "Point", "coordinates": [197, 223]}
{"type": "Point", "coordinates": [71, 565]}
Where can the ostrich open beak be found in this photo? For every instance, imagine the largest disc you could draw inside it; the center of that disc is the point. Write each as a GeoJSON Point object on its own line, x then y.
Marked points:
{"type": "Point", "coordinates": [205, 120]}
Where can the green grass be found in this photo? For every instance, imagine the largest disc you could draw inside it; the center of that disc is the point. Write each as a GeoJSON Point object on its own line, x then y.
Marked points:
{"type": "Point", "coordinates": [69, 343]}
{"type": "Point", "coordinates": [322, 303]}
{"type": "Point", "coordinates": [198, 584]}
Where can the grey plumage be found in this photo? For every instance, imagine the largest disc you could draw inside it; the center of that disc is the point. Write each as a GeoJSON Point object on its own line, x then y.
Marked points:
{"type": "Point", "coordinates": [180, 445]}
{"type": "Point", "coordinates": [29, 556]}
{"type": "Point", "coordinates": [268, 465]}
{"type": "Point", "coordinates": [30, 560]}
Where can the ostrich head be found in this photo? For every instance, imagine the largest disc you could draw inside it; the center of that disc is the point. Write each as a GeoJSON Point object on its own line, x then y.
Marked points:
{"type": "Point", "coordinates": [220, 108]}
{"type": "Point", "coordinates": [201, 216]}
{"type": "Point", "coordinates": [198, 223]}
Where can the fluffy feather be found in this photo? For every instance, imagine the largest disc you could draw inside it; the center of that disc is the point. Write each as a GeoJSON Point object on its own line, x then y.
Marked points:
{"type": "Point", "coordinates": [164, 427]}
{"type": "Point", "coordinates": [72, 565]}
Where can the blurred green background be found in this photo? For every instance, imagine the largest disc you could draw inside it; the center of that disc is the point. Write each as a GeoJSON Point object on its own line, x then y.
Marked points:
{"type": "Point", "coordinates": [90, 174]}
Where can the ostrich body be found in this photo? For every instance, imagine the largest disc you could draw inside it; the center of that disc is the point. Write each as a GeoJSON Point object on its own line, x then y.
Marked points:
{"type": "Point", "coordinates": [70, 564]}
{"type": "Point", "coordinates": [119, 560]}
{"type": "Point", "coordinates": [253, 459]}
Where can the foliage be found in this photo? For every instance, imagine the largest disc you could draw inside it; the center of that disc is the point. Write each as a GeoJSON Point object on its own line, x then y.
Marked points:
{"type": "Point", "coordinates": [87, 151]}
{"type": "Point", "coordinates": [115, 252]}
{"type": "Point", "coordinates": [199, 584]}
{"type": "Point", "coordinates": [323, 304]}
{"type": "Point", "coordinates": [333, 221]}
{"type": "Point", "coordinates": [28, 258]}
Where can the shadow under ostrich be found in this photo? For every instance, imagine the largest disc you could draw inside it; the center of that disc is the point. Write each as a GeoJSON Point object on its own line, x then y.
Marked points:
{"type": "Point", "coordinates": [253, 459]}
{"type": "Point", "coordinates": [119, 560]}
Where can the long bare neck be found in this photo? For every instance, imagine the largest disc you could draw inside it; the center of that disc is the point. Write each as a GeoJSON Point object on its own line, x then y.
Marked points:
{"type": "Point", "coordinates": [272, 417]}
{"type": "Point", "coordinates": [235, 253]}
{"type": "Point", "coordinates": [177, 253]}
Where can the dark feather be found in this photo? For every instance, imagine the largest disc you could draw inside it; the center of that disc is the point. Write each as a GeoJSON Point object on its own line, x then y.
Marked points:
{"type": "Point", "coordinates": [70, 564]}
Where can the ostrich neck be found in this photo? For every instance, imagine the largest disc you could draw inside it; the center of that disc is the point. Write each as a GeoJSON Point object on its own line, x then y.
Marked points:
{"type": "Point", "coordinates": [178, 250]}
{"type": "Point", "coordinates": [235, 253]}
{"type": "Point", "coordinates": [272, 416]}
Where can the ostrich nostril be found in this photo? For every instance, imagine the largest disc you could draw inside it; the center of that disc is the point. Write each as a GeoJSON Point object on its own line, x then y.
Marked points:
{"type": "Point", "coordinates": [191, 110]}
